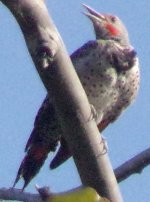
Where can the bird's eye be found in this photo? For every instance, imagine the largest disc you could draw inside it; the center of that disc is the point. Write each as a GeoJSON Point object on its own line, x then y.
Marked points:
{"type": "Point", "coordinates": [113, 19]}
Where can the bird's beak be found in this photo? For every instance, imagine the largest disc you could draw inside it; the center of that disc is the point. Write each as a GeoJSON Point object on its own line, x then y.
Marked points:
{"type": "Point", "coordinates": [93, 15]}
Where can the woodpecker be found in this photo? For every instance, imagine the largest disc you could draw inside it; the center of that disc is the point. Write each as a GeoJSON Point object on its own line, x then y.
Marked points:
{"type": "Point", "coordinates": [108, 68]}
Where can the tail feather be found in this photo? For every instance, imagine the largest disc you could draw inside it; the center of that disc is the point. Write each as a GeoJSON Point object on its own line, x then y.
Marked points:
{"type": "Point", "coordinates": [31, 164]}
{"type": "Point", "coordinates": [62, 155]}
{"type": "Point", "coordinates": [43, 139]}
{"type": "Point", "coordinates": [17, 179]}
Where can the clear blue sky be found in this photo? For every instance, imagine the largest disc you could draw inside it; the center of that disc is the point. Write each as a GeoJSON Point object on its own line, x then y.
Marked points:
{"type": "Point", "coordinates": [22, 93]}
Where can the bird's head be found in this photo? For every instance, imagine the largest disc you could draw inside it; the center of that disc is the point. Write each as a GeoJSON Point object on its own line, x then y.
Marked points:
{"type": "Point", "coordinates": [108, 26]}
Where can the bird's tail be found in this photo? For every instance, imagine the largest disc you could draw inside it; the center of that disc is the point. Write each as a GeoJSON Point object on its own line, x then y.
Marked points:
{"type": "Point", "coordinates": [31, 164]}
{"type": "Point", "coordinates": [62, 155]}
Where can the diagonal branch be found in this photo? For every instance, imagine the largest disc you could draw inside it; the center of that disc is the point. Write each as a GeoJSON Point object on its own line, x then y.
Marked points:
{"type": "Point", "coordinates": [58, 75]}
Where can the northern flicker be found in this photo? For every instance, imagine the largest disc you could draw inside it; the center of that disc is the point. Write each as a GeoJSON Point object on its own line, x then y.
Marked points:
{"type": "Point", "coordinates": [109, 72]}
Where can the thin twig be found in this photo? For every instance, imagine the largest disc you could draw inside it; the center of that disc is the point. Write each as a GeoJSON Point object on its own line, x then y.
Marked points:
{"type": "Point", "coordinates": [133, 166]}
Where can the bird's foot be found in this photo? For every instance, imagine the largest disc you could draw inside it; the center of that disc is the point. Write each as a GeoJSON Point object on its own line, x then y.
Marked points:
{"type": "Point", "coordinates": [93, 115]}
{"type": "Point", "coordinates": [105, 146]}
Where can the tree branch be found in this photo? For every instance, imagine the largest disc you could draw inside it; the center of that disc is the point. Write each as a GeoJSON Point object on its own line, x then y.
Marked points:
{"type": "Point", "coordinates": [60, 79]}
{"type": "Point", "coordinates": [16, 194]}
{"type": "Point", "coordinates": [132, 166]}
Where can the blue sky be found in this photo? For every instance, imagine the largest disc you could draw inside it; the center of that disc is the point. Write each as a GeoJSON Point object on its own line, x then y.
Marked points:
{"type": "Point", "coordinates": [22, 93]}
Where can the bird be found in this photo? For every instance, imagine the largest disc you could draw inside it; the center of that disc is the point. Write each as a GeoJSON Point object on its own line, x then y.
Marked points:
{"type": "Point", "coordinates": [108, 68]}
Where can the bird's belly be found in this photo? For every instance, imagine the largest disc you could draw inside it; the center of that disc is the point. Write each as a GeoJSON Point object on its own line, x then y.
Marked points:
{"type": "Point", "coordinates": [99, 84]}
{"type": "Point", "coordinates": [127, 87]}
{"type": "Point", "coordinates": [111, 93]}
{"type": "Point", "coordinates": [102, 97]}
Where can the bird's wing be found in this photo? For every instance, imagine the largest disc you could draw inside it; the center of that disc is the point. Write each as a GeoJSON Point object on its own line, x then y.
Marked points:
{"type": "Point", "coordinates": [43, 139]}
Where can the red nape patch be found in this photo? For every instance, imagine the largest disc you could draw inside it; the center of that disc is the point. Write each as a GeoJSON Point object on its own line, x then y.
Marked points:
{"type": "Point", "coordinates": [112, 29]}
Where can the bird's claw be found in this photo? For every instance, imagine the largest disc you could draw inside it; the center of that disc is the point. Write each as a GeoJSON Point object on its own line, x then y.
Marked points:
{"type": "Point", "coordinates": [93, 115]}
{"type": "Point", "coordinates": [105, 146]}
